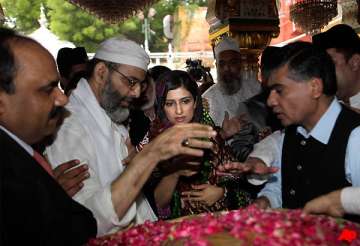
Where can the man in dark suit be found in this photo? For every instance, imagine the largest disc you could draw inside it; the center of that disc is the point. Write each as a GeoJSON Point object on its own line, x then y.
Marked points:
{"type": "Point", "coordinates": [34, 208]}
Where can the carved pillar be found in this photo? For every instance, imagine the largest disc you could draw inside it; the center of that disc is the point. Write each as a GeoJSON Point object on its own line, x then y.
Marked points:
{"type": "Point", "coordinates": [253, 23]}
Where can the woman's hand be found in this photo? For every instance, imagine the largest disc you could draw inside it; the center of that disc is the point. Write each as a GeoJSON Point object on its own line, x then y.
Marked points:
{"type": "Point", "coordinates": [205, 193]}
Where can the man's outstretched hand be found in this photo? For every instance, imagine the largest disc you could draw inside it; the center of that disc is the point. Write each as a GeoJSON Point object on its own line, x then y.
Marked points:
{"type": "Point", "coordinates": [251, 166]}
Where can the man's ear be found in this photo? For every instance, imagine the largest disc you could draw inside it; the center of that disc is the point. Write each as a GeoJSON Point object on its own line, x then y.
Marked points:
{"type": "Point", "coordinates": [101, 72]}
{"type": "Point", "coordinates": [354, 62]}
{"type": "Point", "coordinates": [317, 87]}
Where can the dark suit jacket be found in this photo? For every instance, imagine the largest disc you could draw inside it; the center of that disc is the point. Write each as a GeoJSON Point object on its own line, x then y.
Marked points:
{"type": "Point", "coordinates": [34, 207]}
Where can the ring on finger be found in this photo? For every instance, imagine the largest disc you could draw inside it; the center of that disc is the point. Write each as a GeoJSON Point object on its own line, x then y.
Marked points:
{"type": "Point", "coordinates": [185, 142]}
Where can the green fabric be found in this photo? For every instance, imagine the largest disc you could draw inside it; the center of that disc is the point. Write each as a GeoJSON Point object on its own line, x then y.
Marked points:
{"type": "Point", "coordinates": [235, 197]}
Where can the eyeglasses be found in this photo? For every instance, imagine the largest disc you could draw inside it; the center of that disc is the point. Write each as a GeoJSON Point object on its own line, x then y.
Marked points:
{"type": "Point", "coordinates": [131, 82]}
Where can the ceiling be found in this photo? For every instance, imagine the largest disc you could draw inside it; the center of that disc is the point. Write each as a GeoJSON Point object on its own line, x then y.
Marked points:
{"type": "Point", "coordinates": [112, 11]}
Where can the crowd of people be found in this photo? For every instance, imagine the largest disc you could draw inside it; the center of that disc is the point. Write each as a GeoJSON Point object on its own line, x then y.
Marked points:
{"type": "Point", "coordinates": [129, 144]}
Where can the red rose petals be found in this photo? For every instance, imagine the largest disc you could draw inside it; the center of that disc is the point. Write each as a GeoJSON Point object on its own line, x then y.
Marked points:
{"type": "Point", "coordinates": [251, 225]}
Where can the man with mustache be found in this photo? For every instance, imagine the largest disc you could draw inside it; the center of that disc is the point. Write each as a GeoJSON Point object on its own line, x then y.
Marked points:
{"type": "Point", "coordinates": [34, 207]}
{"type": "Point", "coordinates": [318, 151]}
{"type": "Point", "coordinates": [231, 90]}
{"type": "Point", "coordinates": [94, 133]}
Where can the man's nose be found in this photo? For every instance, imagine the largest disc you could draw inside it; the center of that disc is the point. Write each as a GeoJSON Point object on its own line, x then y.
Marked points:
{"type": "Point", "coordinates": [226, 67]}
{"type": "Point", "coordinates": [271, 100]}
{"type": "Point", "coordinates": [135, 91]}
{"type": "Point", "coordinates": [60, 98]}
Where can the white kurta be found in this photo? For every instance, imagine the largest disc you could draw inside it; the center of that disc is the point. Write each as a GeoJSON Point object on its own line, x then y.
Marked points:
{"type": "Point", "coordinates": [220, 102]}
{"type": "Point", "coordinates": [89, 135]}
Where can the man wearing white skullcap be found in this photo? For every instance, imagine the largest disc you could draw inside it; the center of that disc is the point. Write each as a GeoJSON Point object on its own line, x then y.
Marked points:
{"type": "Point", "coordinates": [123, 51]}
{"type": "Point", "coordinates": [231, 88]}
{"type": "Point", "coordinates": [93, 133]}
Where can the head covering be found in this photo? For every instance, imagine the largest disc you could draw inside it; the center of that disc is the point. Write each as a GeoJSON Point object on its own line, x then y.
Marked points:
{"type": "Point", "coordinates": [339, 36]}
{"type": "Point", "coordinates": [226, 43]}
{"type": "Point", "coordinates": [68, 57]}
{"type": "Point", "coordinates": [79, 55]}
{"type": "Point", "coordinates": [123, 51]}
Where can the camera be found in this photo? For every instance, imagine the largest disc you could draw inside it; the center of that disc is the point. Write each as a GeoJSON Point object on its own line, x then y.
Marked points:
{"type": "Point", "coordinates": [196, 70]}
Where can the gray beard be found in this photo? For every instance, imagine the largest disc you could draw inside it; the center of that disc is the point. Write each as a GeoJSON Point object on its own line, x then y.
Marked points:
{"type": "Point", "coordinates": [110, 102]}
{"type": "Point", "coordinates": [229, 86]}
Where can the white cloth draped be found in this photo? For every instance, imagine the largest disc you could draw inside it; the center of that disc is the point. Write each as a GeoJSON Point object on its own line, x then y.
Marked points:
{"type": "Point", "coordinates": [233, 104]}
{"type": "Point", "coordinates": [89, 135]}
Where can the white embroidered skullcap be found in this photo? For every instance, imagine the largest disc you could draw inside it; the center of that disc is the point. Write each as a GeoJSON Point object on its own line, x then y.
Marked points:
{"type": "Point", "coordinates": [226, 43]}
{"type": "Point", "coordinates": [123, 51]}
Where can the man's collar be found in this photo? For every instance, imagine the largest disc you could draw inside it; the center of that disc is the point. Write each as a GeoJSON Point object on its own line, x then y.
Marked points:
{"type": "Point", "coordinates": [324, 126]}
{"type": "Point", "coordinates": [355, 100]}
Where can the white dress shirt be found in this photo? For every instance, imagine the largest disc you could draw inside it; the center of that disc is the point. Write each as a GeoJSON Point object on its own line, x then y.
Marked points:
{"type": "Point", "coordinates": [89, 135]}
{"type": "Point", "coordinates": [355, 101]}
{"type": "Point", "coordinates": [219, 102]}
{"type": "Point", "coordinates": [270, 151]}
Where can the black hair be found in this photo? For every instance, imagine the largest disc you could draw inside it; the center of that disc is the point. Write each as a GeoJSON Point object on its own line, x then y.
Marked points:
{"type": "Point", "coordinates": [341, 37]}
{"type": "Point", "coordinates": [7, 61]}
{"type": "Point", "coordinates": [156, 71]}
{"type": "Point", "coordinates": [268, 61]}
{"type": "Point", "coordinates": [171, 81]}
{"type": "Point", "coordinates": [8, 64]}
{"type": "Point", "coordinates": [306, 61]}
{"type": "Point", "coordinates": [67, 57]}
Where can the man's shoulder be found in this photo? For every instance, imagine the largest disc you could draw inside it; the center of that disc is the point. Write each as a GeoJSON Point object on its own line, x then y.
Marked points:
{"type": "Point", "coordinates": [7, 143]}
{"type": "Point", "coordinates": [214, 89]}
{"type": "Point", "coordinates": [15, 158]}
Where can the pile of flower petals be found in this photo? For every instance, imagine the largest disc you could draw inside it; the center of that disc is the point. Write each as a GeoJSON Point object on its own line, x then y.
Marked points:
{"type": "Point", "coordinates": [251, 226]}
